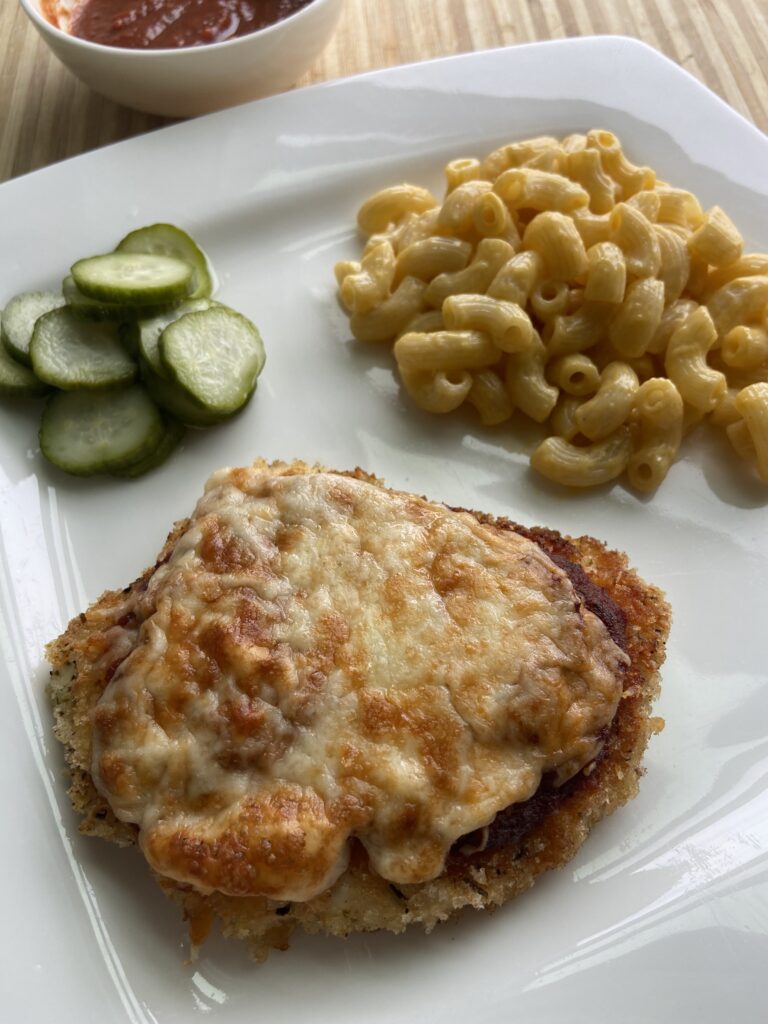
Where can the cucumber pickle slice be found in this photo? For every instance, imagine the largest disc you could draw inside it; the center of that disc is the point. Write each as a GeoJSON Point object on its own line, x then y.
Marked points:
{"type": "Point", "coordinates": [168, 240]}
{"type": "Point", "coordinates": [215, 356]}
{"type": "Point", "coordinates": [175, 400]}
{"type": "Point", "coordinates": [87, 432]}
{"type": "Point", "coordinates": [19, 318]}
{"type": "Point", "coordinates": [146, 336]}
{"type": "Point", "coordinates": [17, 380]}
{"type": "Point", "coordinates": [138, 351]}
{"type": "Point", "coordinates": [170, 440]}
{"type": "Point", "coordinates": [138, 279]}
{"type": "Point", "coordinates": [146, 333]}
{"type": "Point", "coordinates": [91, 309]}
{"type": "Point", "coordinates": [70, 353]}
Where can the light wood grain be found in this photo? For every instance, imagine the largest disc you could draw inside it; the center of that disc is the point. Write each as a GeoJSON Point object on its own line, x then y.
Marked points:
{"type": "Point", "coordinates": [46, 115]}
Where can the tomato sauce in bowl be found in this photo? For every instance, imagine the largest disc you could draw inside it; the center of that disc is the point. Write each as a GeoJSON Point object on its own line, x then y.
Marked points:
{"type": "Point", "coordinates": [169, 24]}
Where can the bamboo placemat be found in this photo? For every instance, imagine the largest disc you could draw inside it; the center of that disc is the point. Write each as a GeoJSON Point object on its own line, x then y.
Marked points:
{"type": "Point", "coordinates": [47, 115]}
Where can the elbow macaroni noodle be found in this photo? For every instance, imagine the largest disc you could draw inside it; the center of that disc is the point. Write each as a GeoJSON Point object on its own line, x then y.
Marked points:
{"type": "Point", "coordinates": [752, 403]}
{"type": "Point", "coordinates": [658, 420]}
{"type": "Point", "coordinates": [575, 375]}
{"type": "Point", "coordinates": [490, 397]}
{"type": "Point", "coordinates": [607, 273]}
{"type": "Point", "coordinates": [560, 281]}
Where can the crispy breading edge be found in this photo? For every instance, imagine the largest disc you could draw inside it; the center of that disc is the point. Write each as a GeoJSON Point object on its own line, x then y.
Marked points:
{"type": "Point", "coordinates": [361, 900]}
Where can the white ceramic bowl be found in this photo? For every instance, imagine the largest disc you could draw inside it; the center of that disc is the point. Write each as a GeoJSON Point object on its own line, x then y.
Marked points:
{"type": "Point", "coordinates": [196, 80]}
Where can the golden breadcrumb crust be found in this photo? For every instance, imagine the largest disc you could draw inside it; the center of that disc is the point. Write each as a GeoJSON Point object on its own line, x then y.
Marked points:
{"type": "Point", "coordinates": [361, 900]}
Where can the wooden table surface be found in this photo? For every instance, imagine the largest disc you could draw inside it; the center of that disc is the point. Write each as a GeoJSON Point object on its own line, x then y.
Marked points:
{"type": "Point", "coordinates": [47, 115]}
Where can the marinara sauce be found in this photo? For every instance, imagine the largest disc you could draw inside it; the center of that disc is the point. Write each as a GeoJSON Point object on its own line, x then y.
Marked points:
{"type": "Point", "coordinates": [169, 24]}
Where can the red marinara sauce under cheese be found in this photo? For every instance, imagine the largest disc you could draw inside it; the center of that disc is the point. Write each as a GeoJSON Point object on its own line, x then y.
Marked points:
{"type": "Point", "coordinates": [171, 24]}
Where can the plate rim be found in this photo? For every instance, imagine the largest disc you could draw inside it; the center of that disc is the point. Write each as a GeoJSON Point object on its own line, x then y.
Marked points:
{"type": "Point", "coordinates": [605, 42]}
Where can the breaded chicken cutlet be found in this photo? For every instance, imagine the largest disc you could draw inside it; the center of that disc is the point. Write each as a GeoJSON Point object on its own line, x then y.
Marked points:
{"type": "Point", "coordinates": [335, 706]}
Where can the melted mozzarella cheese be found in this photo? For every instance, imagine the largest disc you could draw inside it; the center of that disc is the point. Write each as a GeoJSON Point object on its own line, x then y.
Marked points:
{"type": "Point", "coordinates": [323, 658]}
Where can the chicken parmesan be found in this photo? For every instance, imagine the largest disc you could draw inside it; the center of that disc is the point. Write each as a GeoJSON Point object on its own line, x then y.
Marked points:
{"type": "Point", "coordinates": [335, 705]}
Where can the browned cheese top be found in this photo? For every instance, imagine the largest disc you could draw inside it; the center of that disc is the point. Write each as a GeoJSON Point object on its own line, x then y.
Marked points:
{"type": "Point", "coordinates": [322, 658]}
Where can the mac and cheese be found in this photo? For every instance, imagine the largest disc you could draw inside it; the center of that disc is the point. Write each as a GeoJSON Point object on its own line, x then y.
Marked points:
{"type": "Point", "coordinates": [558, 280]}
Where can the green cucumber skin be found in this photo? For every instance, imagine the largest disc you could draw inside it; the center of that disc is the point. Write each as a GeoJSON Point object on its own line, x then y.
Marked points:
{"type": "Point", "coordinates": [18, 381]}
{"type": "Point", "coordinates": [177, 369]}
{"type": "Point", "coordinates": [128, 336]}
{"type": "Point", "coordinates": [107, 464]}
{"type": "Point", "coordinates": [169, 240]}
{"type": "Point", "coordinates": [132, 279]}
{"type": "Point", "coordinates": [172, 438]}
{"type": "Point", "coordinates": [89, 309]}
{"type": "Point", "coordinates": [147, 332]}
{"type": "Point", "coordinates": [38, 390]}
{"type": "Point", "coordinates": [169, 396]}
{"type": "Point", "coordinates": [16, 347]}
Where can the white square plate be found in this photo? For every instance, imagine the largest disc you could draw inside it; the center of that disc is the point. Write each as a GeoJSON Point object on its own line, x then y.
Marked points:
{"type": "Point", "coordinates": [664, 913]}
